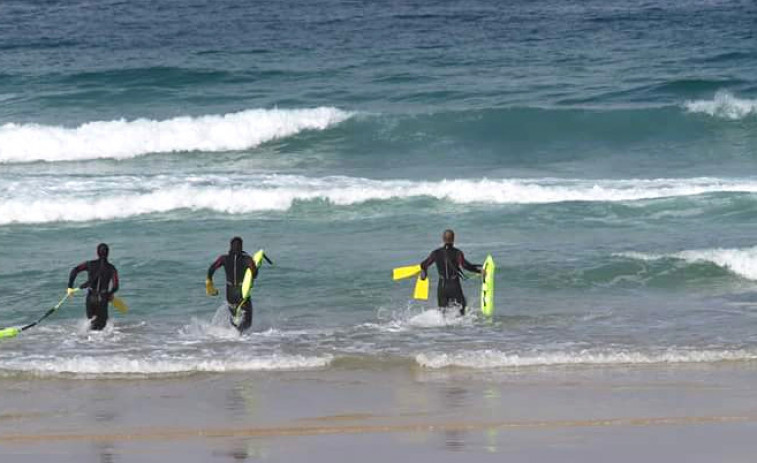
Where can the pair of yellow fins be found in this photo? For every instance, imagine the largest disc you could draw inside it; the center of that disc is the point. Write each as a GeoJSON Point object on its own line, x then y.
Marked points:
{"type": "Point", "coordinates": [421, 286]}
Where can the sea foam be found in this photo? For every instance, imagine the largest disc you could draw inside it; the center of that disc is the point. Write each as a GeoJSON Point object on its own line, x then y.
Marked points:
{"type": "Point", "coordinates": [124, 365]}
{"type": "Point", "coordinates": [498, 359]}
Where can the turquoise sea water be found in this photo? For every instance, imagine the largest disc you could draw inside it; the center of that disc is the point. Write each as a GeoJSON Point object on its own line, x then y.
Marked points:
{"type": "Point", "coordinates": [603, 152]}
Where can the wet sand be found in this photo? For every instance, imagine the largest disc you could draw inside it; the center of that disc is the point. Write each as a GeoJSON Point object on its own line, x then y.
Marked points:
{"type": "Point", "coordinates": [691, 413]}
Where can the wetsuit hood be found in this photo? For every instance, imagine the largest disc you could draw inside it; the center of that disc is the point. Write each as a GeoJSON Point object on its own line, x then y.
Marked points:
{"type": "Point", "coordinates": [102, 251]}
{"type": "Point", "coordinates": [235, 245]}
{"type": "Point", "coordinates": [448, 237]}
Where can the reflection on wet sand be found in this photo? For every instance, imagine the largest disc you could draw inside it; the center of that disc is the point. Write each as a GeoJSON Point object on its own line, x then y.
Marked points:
{"type": "Point", "coordinates": [244, 450]}
{"type": "Point", "coordinates": [106, 451]}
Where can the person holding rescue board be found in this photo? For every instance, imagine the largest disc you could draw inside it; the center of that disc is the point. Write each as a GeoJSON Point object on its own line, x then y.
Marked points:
{"type": "Point", "coordinates": [241, 271]}
{"type": "Point", "coordinates": [450, 263]}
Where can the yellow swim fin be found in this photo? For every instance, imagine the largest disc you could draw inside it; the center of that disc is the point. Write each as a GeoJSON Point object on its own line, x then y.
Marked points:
{"type": "Point", "coordinates": [120, 305]}
{"type": "Point", "coordinates": [400, 273]}
{"type": "Point", "coordinates": [421, 289]}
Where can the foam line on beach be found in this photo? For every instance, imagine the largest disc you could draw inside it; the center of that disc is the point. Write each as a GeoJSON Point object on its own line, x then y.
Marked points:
{"type": "Point", "coordinates": [498, 359]}
{"type": "Point", "coordinates": [88, 366]}
{"type": "Point", "coordinates": [123, 139]}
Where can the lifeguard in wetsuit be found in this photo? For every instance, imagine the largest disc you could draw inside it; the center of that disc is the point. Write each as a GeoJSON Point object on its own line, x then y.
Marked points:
{"type": "Point", "coordinates": [235, 263]}
{"type": "Point", "coordinates": [100, 275]}
{"type": "Point", "coordinates": [449, 262]}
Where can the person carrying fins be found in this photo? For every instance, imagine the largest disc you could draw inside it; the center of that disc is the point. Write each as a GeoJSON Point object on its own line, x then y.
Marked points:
{"type": "Point", "coordinates": [450, 263]}
{"type": "Point", "coordinates": [101, 285]}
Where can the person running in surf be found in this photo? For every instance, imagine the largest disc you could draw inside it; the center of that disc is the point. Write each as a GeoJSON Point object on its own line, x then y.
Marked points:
{"type": "Point", "coordinates": [235, 263]}
{"type": "Point", "coordinates": [101, 285]}
{"type": "Point", "coordinates": [449, 262]}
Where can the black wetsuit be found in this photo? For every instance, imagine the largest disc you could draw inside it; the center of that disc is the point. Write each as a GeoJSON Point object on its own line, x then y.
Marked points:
{"type": "Point", "coordinates": [449, 262]}
{"type": "Point", "coordinates": [235, 265]}
{"type": "Point", "coordinates": [100, 275]}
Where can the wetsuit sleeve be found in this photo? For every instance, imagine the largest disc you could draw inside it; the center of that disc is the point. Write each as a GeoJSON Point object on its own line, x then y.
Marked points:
{"type": "Point", "coordinates": [428, 261]}
{"type": "Point", "coordinates": [114, 280]}
{"type": "Point", "coordinates": [214, 266]}
{"type": "Point", "coordinates": [467, 265]}
{"type": "Point", "coordinates": [74, 272]}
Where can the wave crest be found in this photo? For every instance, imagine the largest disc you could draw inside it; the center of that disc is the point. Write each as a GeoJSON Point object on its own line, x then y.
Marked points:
{"type": "Point", "coordinates": [724, 106]}
{"type": "Point", "coordinates": [742, 262]}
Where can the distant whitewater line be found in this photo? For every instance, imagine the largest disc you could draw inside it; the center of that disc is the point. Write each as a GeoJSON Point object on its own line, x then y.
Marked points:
{"type": "Point", "coordinates": [497, 359]}
{"type": "Point", "coordinates": [123, 365]}
{"type": "Point", "coordinates": [742, 262]}
{"type": "Point", "coordinates": [122, 139]}
{"type": "Point", "coordinates": [724, 105]}
{"type": "Point", "coordinates": [85, 201]}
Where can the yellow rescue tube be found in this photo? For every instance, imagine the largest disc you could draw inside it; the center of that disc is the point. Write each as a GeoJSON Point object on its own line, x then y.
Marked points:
{"type": "Point", "coordinates": [9, 332]}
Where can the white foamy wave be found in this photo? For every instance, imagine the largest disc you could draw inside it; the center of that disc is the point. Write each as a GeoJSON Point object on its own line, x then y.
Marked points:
{"type": "Point", "coordinates": [436, 318]}
{"type": "Point", "coordinates": [497, 359]}
{"type": "Point", "coordinates": [126, 139]}
{"type": "Point", "coordinates": [742, 262]}
{"type": "Point", "coordinates": [724, 105]}
{"type": "Point", "coordinates": [432, 318]}
{"type": "Point", "coordinates": [198, 329]}
{"type": "Point", "coordinates": [123, 365]}
{"type": "Point", "coordinates": [86, 200]}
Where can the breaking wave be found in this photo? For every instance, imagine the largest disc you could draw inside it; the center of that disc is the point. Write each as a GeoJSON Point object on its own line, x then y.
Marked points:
{"type": "Point", "coordinates": [742, 262]}
{"type": "Point", "coordinates": [724, 106]}
{"type": "Point", "coordinates": [122, 139]}
{"type": "Point", "coordinates": [79, 201]}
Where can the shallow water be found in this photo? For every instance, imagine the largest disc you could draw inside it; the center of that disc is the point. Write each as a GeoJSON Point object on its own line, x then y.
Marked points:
{"type": "Point", "coordinates": [612, 183]}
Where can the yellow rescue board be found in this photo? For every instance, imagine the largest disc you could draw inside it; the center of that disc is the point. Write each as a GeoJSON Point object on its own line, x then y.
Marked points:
{"type": "Point", "coordinates": [248, 282]}
{"type": "Point", "coordinates": [487, 287]}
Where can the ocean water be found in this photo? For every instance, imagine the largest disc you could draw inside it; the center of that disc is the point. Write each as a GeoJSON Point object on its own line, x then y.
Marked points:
{"type": "Point", "coordinates": [602, 151]}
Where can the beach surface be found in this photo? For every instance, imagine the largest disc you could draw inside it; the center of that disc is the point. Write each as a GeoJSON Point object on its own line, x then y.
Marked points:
{"type": "Point", "coordinates": [702, 413]}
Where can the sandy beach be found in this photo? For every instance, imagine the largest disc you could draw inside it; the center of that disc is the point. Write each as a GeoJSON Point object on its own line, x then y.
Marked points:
{"type": "Point", "coordinates": [692, 413]}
